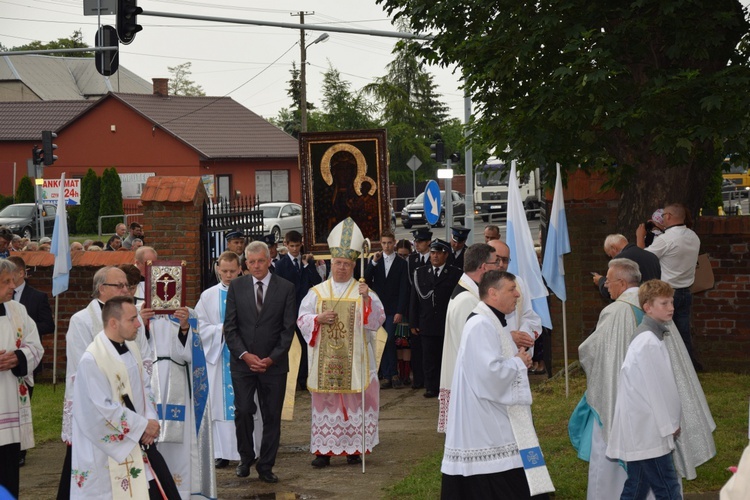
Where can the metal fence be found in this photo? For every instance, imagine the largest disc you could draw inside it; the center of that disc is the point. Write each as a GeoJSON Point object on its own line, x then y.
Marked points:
{"type": "Point", "coordinates": [239, 214]}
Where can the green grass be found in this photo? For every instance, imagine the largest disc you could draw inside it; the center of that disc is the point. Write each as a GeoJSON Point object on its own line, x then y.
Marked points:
{"type": "Point", "coordinates": [727, 395]}
{"type": "Point", "coordinates": [46, 411]}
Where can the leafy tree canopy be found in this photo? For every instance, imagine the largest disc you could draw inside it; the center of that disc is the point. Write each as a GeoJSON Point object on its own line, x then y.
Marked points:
{"type": "Point", "coordinates": [180, 83]}
{"type": "Point", "coordinates": [652, 91]}
{"type": "Point", "coordinates": [75, 41]}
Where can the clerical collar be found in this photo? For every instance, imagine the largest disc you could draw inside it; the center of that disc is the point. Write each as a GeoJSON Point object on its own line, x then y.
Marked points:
{"type": "Point", "coordinates": [499, 315]}
{"type": "Point", "coordinates": [120, 348]}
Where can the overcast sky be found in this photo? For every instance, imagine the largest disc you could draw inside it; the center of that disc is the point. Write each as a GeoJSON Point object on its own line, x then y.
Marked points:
{"type": "Point", "coordinates": [249, 63]}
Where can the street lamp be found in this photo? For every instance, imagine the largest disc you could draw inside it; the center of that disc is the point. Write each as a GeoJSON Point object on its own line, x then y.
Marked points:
{"type": "Point", "coordinates": [303, 78]}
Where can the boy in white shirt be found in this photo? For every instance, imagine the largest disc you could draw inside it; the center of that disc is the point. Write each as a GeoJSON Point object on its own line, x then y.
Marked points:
{"type": "Point", "coordinates": [648, 411]}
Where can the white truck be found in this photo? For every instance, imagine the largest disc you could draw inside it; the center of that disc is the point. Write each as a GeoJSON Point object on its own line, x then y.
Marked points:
{"type": "Point", "coordinates": [491, 190]}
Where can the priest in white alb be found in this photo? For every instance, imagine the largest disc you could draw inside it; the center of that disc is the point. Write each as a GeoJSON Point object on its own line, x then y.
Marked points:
{"type": "Point", "coordinates": [491, 448]}
{"type": "Point", "coordinates": [20, 352]}
{"type": "Point", "coordinates": [114, 418]}
{"type": "Point", "coordinates": [339, 319]}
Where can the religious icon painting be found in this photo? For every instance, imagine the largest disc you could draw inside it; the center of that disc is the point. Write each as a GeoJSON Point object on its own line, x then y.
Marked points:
{"type": "Point", "coordinates": [165, 285]}
{"type": "Point", "coordinates": [344, 174]}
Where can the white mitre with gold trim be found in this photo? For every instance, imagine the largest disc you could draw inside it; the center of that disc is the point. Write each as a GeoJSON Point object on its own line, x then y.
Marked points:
{"type": "Point", "coordinates": [346, 240]}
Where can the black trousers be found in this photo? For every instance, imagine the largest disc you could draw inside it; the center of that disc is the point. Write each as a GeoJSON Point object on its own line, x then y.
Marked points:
{"type": "Point", "coordinates": [432, 358]}
{"type": "Point", "coordinates": [417, 372]}
{"type": "Point", "coordinates": [508, 485]}
{"type": "Point", "coordinates": [63, 489]}
{"type": "Point", "coordinates": [271, 389]}
{"type": "Point", "coordinates": [9, 473]}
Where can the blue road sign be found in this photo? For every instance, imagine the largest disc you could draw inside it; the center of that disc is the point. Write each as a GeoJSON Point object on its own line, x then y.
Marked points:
{"type": "Point", "coordinates": [432, 205]}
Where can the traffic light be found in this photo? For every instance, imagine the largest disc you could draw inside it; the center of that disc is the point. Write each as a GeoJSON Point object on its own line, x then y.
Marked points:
{"type": "Point", "coordinates": [48, 147]}
{"type": "Point", "coordinates": [37, 154]}
{"type": "Point", "coordinates": [438, 151]}
{"type": "Point", "coordinates": [455, 157]}
{"type": "Point", "coordinates": [107, 62]}
{"type": "Point", "coordinates": [127, 20]}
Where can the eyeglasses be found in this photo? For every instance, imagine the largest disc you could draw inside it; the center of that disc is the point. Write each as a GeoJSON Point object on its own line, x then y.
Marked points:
{"type": "Point", "coordinates": [504, 260]}
{"type": "Point", "coordinates": [495, 262]}
{"type": "Point", "coordinates": [121, 286]}
{"type": "Point", "coordinates": [607, 281]}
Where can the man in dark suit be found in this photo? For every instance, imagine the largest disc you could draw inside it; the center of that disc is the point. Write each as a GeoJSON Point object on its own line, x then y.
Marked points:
{"type": "Point", "coordinates": [432, 290]}
{"type": "Point", "coordinates": [38, 309]}
{"type": "Point", "coordinates": [420, 257]}
{"type": "Point", "coordinates": [386, 273]}
{"type": "Point", "coordinates": [616, 246]}
{"type": "Point", "coordinates": [459, 235]}
{"type": "Point", "coordinates": [301, 272]}
{"type": "Point", "coordinates": [259, 327]}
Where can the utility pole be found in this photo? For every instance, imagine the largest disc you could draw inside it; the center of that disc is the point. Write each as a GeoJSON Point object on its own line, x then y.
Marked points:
{"type": "Point", "coordinates": [302, 73]}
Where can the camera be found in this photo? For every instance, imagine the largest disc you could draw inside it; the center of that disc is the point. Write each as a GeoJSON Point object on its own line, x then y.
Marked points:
{"type": "Point", "coordinates": [650, 226]}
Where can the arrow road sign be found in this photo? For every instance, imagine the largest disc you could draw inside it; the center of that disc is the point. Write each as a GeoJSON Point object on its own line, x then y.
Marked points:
{"type": "Point", "coordinates": [432, 203]}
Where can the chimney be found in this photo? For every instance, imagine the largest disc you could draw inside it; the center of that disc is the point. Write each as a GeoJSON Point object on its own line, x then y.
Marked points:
{"type": "Point", "coordinates": [161, 86]}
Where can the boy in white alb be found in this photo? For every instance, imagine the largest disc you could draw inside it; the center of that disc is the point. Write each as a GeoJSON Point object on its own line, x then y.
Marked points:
{"type": "Point", "coordinates": [647, 414]}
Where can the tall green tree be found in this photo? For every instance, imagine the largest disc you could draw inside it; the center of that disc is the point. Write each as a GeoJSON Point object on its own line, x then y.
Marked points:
{"type": "Point", "coordinates": [110, 199]}
{"type": "Point", "coordinates": [88, 217]}
{"type": "Point", "coordinates": [342, 107]}
{"type": "Point", "coordinates": [75, 41]}
{"type": "Point", "coordinates": [411, 110]}
{"type": "Point", "coordinates": [181, 84]}
{"type": "Point", "coordinates": [654, 92]}
{"type": "Point", "coordinates": [25, 190]}
{"type": "Point", "coordinates": [288, 119]}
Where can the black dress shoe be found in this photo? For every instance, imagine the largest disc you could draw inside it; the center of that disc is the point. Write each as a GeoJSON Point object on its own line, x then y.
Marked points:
{"type": "Point", "coordinates": [268, 477]}
{"type": "Point", "coordinates": [220, 463]}
{"type": "Point", "coordinates": [353, 459]}
{"type": "Point", "coordinates": [21, 461]}
{"type": "Point", "coordinates": [243, 469]}
{"type": "Point", "coordinates": [321, 461]}
{"type": "Point", "coordinates": [430, 394]}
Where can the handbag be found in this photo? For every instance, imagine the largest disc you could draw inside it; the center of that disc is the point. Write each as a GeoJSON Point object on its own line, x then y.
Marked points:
{"type": "Point", "coordinates": [704, 275]}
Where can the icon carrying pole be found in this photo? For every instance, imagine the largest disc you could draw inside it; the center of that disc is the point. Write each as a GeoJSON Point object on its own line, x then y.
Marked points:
{"type": "Point", "coordinates": [365, 368]}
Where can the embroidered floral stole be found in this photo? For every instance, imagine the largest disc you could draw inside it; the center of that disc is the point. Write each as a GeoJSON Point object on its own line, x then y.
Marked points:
{"type": "Point", "coordinates": [128, 478]}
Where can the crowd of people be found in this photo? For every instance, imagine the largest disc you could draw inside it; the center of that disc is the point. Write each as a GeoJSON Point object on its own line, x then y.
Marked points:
{"type": "Point", "coordinates": [156, 401]}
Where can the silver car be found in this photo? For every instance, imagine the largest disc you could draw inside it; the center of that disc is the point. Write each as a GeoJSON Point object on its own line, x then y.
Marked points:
{"type": "Point", "coordinates": [281, 217]}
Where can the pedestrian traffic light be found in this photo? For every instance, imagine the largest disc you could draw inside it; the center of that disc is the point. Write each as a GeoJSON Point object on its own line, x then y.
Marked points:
{"type": "Point", "coordinates": [37, 154]}
{"type": "Point", "coordinates": [48, 147]}
{"type": "Point", "coordinates": [438, 151]}
{"type": "Point", "coordinates": [127, 20]}
{"type": "Point", "coordinates": [455, 156]}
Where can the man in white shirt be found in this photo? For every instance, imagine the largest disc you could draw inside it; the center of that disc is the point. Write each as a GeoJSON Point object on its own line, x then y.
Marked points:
{"type": "Point", "coordinates": [677, 250]}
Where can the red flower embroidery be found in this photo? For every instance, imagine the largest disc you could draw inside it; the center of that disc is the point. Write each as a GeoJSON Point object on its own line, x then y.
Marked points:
{"type": "Point", "coordinates": [22, 389]}
{"type": "Point", "coordinates": [18, 343]}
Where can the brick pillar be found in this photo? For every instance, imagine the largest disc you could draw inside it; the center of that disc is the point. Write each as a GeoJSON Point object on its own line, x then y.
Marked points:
{"type": "Point", "coordinates": [172, 212]}
{"type": "Point", "coordinates": [591, 216]}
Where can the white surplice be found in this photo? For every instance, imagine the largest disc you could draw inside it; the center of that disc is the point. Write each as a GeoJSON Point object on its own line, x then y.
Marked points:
{"type": "Point", "coordinates": [459, 309]}
{"type": "Point", "coordinates": [211, 326]}
{"type": "Point", "coordinates": [648, 409]}
{"type": "Point", "coordinates": [103, 427]}
{"type": "Point", "coordinates": [337, 417]}
{"type": "Point", "coordinates": [479, 438]}
{"type": "Point", "coordinates": [83, 327]}
{"type": "Point", "coordinates": [29, 344]}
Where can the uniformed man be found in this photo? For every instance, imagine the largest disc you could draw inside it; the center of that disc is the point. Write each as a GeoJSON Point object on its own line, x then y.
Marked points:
{"type": "Point", "coordinates": [432, 290]}
{"type": "Point", "coordinates": [420, 257]}
{"type": "Point", "coordinates": [459, 235]}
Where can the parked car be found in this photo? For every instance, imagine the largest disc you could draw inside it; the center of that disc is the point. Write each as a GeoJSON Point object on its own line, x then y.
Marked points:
{"type": "Point", "coordinates": [21, 219]}
{"type": "Point", "coordinates": [413, 213]}
{"type": "Point", "coordinates": [281, 217]}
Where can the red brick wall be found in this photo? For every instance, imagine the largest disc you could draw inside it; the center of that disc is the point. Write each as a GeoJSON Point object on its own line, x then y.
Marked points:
{"type": "Point", "coordinates": [172, 211]}
{"type": "Point", "coordinates": [721, 335]}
